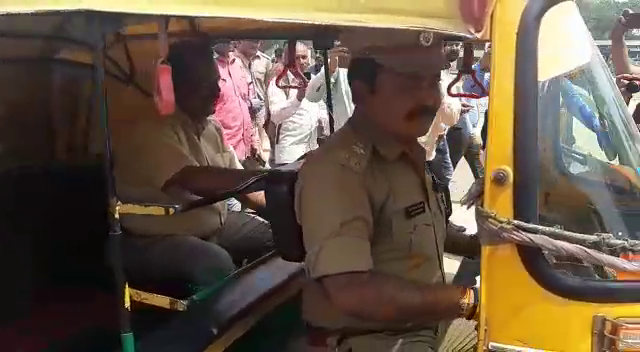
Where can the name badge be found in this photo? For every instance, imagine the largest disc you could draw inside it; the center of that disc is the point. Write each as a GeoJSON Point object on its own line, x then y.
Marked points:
{"type": "Point", "coordinates": [414, 210]}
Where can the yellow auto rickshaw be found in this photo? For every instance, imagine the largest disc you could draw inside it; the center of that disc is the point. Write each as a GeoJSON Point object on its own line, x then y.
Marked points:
{"type": "Point", "coordinates": [562, 164]}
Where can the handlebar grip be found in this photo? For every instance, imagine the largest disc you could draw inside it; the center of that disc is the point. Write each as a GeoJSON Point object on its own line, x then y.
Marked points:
{"type": "Point", "coordinates": [467, 69]}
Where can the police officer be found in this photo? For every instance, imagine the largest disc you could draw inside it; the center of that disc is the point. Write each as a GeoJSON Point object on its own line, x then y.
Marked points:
{"type": "Point", "coordinates": [373, 223]}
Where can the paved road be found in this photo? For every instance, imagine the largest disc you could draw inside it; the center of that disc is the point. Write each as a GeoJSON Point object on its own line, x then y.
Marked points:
{"type": "Point", "coordinates": [462, 180]}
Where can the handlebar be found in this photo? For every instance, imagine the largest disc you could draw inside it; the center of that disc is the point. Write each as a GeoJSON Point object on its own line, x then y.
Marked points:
{"type": "Point", "coordinates": [291, 66]}
{"type": "Point", "coordinates": [254, 184]}
{"type": "Point", "coordinates": [467, 69]}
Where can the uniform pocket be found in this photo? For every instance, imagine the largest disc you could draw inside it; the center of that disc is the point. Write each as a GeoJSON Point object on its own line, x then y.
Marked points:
{"type": "Point", "coordinates": [412, 232]}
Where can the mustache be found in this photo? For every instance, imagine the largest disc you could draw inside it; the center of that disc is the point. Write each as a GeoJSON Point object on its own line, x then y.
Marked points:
{"type": "Point", "coordinates": [423, 111]}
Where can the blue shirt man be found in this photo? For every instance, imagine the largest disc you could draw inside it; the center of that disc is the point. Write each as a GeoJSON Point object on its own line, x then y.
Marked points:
{"type": "Point", "coordinates": [577, 101]}
{"type": "Point", "coordinates": [476, 115]}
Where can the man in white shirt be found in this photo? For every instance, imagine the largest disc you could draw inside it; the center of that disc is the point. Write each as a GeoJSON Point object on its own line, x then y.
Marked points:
{"type": "Point", "coordinates": [441, 164]}
{"type": "Point", "coordinates": [297, 119]}
{"type": "Point", "coordinates": [448, 115]}
{"type": "Point", "coordinates": [340, 90]}
{"type": "Point", "coordinates": [435, 142]}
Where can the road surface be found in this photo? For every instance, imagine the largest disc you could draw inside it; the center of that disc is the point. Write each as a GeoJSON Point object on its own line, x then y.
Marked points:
{"type": "Point", "coordinates": [462, 180]}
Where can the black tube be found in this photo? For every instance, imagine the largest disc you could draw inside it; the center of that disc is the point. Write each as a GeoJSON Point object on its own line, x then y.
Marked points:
{"type": "Point", "coordinates": [327, 82]}
{"type": "Point", "coordinates": [115, 230]}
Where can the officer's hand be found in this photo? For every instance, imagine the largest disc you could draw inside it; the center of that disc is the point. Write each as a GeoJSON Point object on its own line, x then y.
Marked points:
{"type": "Point", "coordinates": [472, 303]}
{"type": "Point", "coordinates": [474, 247]}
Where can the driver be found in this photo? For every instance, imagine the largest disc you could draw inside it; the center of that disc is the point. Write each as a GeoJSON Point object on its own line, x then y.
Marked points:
{"type": "Point", "coordinates": [374, 226]}
{"type": "Point", "coordinates": [178, 158]}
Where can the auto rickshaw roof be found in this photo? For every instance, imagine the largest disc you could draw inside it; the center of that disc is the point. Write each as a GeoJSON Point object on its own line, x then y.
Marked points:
{"type": "Point", "coordinates": [437, 14]}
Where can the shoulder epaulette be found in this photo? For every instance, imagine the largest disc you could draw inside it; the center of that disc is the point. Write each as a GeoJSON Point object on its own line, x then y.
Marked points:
{"type": "Point", "coordinates": [355, 153]}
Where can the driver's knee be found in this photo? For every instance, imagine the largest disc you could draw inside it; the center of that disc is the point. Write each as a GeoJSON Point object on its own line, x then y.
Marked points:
{"type": "Point", "coordinates": [186, 259]}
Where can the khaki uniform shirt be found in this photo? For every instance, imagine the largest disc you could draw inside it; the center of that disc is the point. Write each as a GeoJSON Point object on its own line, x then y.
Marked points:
{"type": "Point", "coordinates": [366, 203]}
{"type": "Point", "coordinates": [258, 67]}
{"type": "Point", "coordinates": [148, 151]}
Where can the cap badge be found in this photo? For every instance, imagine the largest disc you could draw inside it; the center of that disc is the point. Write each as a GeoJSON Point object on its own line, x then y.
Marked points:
{"type": "Point", "coordinates": [426, 38]}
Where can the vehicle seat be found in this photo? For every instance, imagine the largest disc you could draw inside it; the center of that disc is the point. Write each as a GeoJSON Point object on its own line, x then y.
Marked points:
{"type": "Point", "coordinates": [280, 196]}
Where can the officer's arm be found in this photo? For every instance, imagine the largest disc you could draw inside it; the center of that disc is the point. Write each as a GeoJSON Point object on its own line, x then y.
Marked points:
{"type": "Point", "coordinates": [333, 208]}
{"type": "Point", "coordinates": [461, 244]}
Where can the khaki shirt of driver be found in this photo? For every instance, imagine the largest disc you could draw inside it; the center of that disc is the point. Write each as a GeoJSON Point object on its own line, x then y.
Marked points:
{"type": "Point", "coordinates": [366, 203]}
{"type": "Point", "coordinates": [148, 152]}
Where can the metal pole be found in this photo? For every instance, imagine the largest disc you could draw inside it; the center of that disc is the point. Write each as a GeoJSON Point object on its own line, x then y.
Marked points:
{"type": "Point", "coordinates": [327, 80]}
{"type": "Point", "coordinates": [115, 231]}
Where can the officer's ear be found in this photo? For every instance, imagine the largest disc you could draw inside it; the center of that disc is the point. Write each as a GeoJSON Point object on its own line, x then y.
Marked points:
{"type": "Point", "coordinates": [362, 76]}
{"type": "Point", "coordinates": [360, 92]}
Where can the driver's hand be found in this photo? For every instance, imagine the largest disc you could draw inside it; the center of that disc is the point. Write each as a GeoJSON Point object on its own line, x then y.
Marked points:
{"type": "Point", "coordinates": [474, 245]}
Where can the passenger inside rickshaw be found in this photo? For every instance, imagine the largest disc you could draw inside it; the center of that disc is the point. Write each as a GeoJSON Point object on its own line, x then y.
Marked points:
{"type": "Point", "coordinates": [179, 158]}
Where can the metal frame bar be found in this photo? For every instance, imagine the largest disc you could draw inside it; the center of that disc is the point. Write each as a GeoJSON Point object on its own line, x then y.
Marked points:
{"type": "Point", "coordinates": [115, 230]}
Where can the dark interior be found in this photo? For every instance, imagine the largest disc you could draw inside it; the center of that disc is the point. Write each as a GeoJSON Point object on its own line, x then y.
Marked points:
{"type": "Point", "coordinates": [53, 232]}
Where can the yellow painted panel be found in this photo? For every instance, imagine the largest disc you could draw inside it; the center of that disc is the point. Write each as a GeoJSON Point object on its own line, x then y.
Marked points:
{"type": "Point", "coordinates": [515, 309]}
{"type": "Point", "coordinates": [441, 14]}
{"type": "Point", "coordinates": [505, 21]}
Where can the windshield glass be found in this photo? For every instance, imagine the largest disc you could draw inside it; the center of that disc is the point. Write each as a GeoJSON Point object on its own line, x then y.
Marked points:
{"type": "Point", "coordinates": [589, 155]}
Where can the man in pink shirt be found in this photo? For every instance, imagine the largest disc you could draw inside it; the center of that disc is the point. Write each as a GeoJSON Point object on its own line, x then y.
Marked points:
{"type": "Point", "coordinates": [232, 107]}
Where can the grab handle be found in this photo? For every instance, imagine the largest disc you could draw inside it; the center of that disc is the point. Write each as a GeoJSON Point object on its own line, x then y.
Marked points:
{"type": "Point", "coordinates": [291, 66]}
{"type": "Point", "coordinates": [467, 69]}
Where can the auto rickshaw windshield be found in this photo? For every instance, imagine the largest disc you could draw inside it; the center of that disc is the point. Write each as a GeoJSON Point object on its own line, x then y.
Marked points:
{"type": "Point", "coordinates": [588, 142]}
